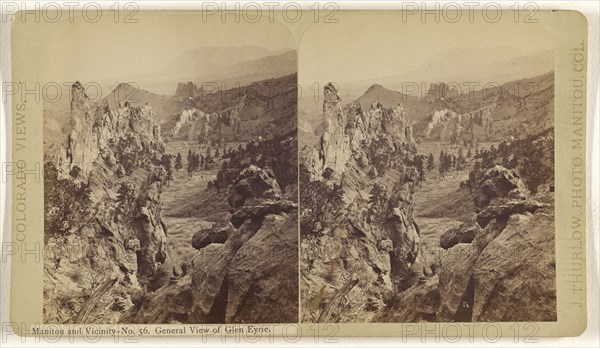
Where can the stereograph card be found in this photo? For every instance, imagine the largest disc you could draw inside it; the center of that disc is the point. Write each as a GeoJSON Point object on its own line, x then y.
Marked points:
{"type": "Point", "coordinates": [298, 173]}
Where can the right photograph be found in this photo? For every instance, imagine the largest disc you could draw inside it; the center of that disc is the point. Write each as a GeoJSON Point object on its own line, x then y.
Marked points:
{"type": "Point", "coordinates": [426, 176]}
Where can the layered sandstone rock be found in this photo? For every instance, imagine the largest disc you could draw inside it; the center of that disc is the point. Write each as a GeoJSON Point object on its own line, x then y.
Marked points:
{"type": "Point", "coordinates": [501, 271]}
{"type": "Point", "coordinates": [449, 126]}
{"type": "Point", "coordinates": [194, 124]}
{"type": "Point", "coordinates": [245, 271]}
{"type": "Point", "coordinates": [110, 241]}
{"type": "Point", "coordinates": [369, 245]}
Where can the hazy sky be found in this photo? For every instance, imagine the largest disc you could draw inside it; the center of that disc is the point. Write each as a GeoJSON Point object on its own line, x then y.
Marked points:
{"type": "Point", "coordinates": [361, 47]}
{"type": "Point", "coordinates": [89, 51]}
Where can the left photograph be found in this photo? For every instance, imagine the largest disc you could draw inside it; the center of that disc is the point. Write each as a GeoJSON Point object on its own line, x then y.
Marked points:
{"type": "Point", "coordinates": [170, 172]}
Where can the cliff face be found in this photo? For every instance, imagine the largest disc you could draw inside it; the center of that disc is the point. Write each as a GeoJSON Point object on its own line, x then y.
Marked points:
{"type": "Point", "coordinates": [335, 150]}
{"type": "Point", "coordinates": [499, 265]}
{"type": "Point", "coordinates": [349, 134]}
{"type": "Point", "coordinates": [448, 126]}
{"type": "Point", "coordinates": [104, 236]}
{"type": "Point", "coordinates": [196, 125]}
{"type": "Point", "coordinates": [245, 270]}
{"type": "Point", "coordinates": [359, 238]}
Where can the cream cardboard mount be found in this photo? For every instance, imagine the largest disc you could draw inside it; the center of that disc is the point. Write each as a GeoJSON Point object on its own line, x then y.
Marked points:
{"type": "Point", "coordinates": [362, 173]}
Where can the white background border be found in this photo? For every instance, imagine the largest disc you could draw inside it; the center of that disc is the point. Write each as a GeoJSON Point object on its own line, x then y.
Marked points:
{"type": "Point", "coordinates": [590, 338]}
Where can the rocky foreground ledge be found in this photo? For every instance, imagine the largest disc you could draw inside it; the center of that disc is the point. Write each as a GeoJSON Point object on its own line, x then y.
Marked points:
{"type": "Point", "coordinates": [497, 267]}
{"type": "Point", "coordinates": [245, 270]}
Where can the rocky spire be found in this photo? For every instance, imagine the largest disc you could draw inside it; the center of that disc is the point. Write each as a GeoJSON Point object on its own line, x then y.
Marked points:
{"type": "Point", "coordinates": [334, 146]}
{"type": "Point", "coordinates": [83, 142]}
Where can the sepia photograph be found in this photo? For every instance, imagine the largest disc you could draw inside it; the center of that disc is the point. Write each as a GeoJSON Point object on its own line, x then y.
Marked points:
{"type": "Point", "coordinates": [303, 172]}
{"type": "Point", "coordinates": [170, 173]}
{"type": "Point", "coordinates": [427, 173]}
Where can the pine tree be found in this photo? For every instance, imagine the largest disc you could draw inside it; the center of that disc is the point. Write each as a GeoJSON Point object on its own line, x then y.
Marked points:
{"type": "Point", "coordinates": [442, 161]}
{"type": "Point", "coordinates": [196, 161]}
{"type": "Point", "coordinates": [207, 160]}
{"type": "Point", "coordinates": [191, 164]}
{"type": "Point", "coordinates": [460, 160]}
{"type": "Point", "coordinates": [430, 162]}
{"type": "Point", "coordinates": [418, 160]}
{"type": "Point", "coordinates": [166, 163]}
{"type": "Point", "coordinates": [178, 162]}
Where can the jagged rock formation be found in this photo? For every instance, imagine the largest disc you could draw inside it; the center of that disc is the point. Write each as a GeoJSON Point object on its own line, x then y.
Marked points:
{"type": "Point", "coordinates": [449, 126]}
{"type": "Point", "coordinates": [105, 239]}
{"type": "Point", "coordinates": [265, 109]}
{"type": "Point", "coordinates": [346, 134]}
{"type": "Point", "coordinates": [361, 257]}
{"type": "Point", "coordinates": [245, 270]}
{"type": "Point", "coordinates": [335, 148]}
{"type": "Point", "coordinates": [195, 125]}
{"type": "Point", "coordinates": [499, 182]}
{"type": "Point", "coordinates": [187, 90]}
{"type": "Point", "coordinates": [440, 91]}
{"type": "Point", "coordinates": [498, 267]}
{"type": "Point", "coordinates": [365, 243]}
{"type": "Point", "coordinates": [465, 233]}
{"type": "Point", "coordinates": [199, 124]}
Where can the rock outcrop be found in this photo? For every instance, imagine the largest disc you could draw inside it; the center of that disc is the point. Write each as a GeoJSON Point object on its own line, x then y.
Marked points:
{"type": "Point", "coordinates": [360, 240]}
{"type": "Point", "coordinates": [498, 267]}
{"type": "Point", "coordinates": [187, 90]}
{"type": "Point", "coordinates": [253, 183]}
{"type": "Point", "coordinates": [465, 233]}
{"type": "Point", "coordinates": [193, 124]}
{"type": "Point", "coordinates": [346, 134]}
{"type": "Point", "coordinates": [449, 126]}
{"type": "Point", "coordinates": [498, 182]}
{"type": "Point", "coordinates": [334, 143]}
{"type": "Point", "coordinates": [245, 271]}
{"type": "Point", "coordinates": [105, 239]}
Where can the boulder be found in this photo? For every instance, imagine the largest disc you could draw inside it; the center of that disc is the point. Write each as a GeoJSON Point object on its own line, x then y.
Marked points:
{"type": "Point", "coordinates": [209, 275]}
{"type": "Point", "coordinates": [386, 245]}
{"type": "Point", "coordinates": [491, 231]}
{"type": "Point", "coordinates": [213, 234]}
{"type": "Point", "coordinates": [419, 303]}
{"type": "Point", "coordinates": [455, 272]}
{"type": "Point", "coordinates": [465, 233]}
{"type": "Point", "coordinates": [253, 183]}
{"type": "Point", "coordinates": [515, 275]}
{"type": "Point", "coordinates": [261, 210]}
{"type": "Point", "coordinates": [506, 208]}
{"type": "Point", "coordinates": [169, 304]}
{"type": "Point", "coordinates": [264, 274]}
{"type": "Point", "coordinates": [497, 182]}
{"type": "Point", "coordinates": [209, 272]}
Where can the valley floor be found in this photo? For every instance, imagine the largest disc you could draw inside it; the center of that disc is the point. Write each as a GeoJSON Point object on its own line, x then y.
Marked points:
{"type": "Point", "coordinates": [177, 197]}
{"type": "Point", "coordinates": [440, 204]}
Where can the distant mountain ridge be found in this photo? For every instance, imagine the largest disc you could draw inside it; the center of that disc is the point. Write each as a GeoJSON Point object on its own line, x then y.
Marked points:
{"type": "Point", "coordinates": [232, 66]}
{"type": "Point", "coordinates": [471, 64]}
{"type": "Point", "coordinates": [516, 108]}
